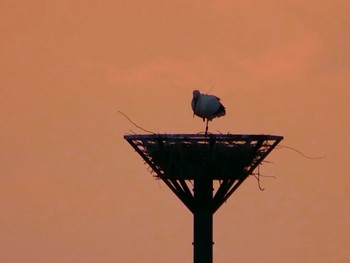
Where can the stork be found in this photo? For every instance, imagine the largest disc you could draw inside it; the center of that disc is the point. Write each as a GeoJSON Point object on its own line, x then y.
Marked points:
{"type": "Point", "coordinates": [207, 107]}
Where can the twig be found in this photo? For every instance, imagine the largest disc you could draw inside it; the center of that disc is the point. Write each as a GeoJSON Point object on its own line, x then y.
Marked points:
{"type": "Point", "coordinates": [137, 126]}
{"type": "Point", "coordinates": [299, 152]}
{"type": "Point", "coordinates": [258, 175]}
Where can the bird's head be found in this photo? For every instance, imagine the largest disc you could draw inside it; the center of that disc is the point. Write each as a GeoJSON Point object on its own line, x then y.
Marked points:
{"type": "Point", "coordinates": [196, 94]}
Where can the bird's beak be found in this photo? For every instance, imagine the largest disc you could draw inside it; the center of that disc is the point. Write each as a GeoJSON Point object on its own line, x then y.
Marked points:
{"type": "Point", "coordinates": [195, 106]}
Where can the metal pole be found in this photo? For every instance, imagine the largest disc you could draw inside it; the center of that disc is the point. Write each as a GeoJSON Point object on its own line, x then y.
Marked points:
{"type": "Point", "coordinates": [203, 219]}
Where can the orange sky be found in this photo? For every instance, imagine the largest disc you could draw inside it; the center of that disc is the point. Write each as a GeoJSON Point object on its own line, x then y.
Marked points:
{"type": "Point", "coordinates": [72, 190]}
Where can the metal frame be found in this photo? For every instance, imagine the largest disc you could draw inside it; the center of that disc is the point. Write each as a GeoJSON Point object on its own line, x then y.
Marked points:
{"type": "Point", "coordinates": [167, 153]}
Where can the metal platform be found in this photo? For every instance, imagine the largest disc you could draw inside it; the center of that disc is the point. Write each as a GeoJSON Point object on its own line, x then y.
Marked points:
{"type": "Point", "coordinates": [177, 158]}
{"type": "Point", "coordinates": [189, 164]}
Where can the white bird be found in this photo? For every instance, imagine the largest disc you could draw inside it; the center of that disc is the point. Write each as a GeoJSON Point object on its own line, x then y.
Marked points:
{"type": "Point", "coordinates": [207, 107]}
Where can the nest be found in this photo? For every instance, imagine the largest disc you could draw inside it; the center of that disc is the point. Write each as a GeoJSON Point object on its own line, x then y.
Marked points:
{"type": "Point", "coordinates": [188, 156]}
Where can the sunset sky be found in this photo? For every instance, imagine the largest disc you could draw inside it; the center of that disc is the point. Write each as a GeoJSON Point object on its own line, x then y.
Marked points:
{"type": "Point", "coordinates": [73, 190]}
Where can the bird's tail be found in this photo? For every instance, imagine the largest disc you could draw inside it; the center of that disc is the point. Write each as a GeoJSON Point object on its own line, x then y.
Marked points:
{"type": "Point", "coordinates": [221, 111]}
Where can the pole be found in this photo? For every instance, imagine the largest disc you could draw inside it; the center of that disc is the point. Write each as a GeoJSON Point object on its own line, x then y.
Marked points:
{"type": "Point", "coordinates": [203, 219]}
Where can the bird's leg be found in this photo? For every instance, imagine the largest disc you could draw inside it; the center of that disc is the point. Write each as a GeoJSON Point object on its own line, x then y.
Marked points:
{"type": "Point", "coordinates": [206, 128]}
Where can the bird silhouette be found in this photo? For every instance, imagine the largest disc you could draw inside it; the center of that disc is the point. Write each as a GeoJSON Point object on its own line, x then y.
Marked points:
{"type": "Point", "coordinates": [207, 107]}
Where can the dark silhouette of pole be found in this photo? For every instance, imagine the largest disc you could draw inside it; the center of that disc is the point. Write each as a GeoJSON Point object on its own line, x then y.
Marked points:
{"type": "Point", "coordinates": [203, 219]}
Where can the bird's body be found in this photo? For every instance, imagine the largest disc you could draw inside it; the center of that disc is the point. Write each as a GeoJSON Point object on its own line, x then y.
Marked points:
{"type": "Point", "coordinates": [207, 107]}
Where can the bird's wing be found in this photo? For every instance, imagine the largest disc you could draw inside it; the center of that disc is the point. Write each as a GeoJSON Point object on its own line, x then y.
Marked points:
{"type": "Point", "coordinates": [211, 99]}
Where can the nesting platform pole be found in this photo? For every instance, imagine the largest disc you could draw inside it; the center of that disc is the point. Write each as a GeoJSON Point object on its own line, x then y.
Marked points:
{"type": "Point", "coordinates": [190, 165]}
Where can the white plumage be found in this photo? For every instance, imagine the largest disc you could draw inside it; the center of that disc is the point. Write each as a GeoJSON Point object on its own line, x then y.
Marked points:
{"type": "Point", "coordinates": [207, 107]}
